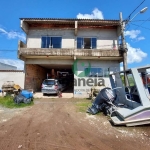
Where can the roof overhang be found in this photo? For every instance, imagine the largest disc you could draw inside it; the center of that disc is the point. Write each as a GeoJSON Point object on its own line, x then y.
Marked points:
{"type": "Point", "coordinates": [30, 23]}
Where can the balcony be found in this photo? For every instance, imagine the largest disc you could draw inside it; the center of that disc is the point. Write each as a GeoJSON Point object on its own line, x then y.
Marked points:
{"type": "Point", "coordinates": [107, 54]}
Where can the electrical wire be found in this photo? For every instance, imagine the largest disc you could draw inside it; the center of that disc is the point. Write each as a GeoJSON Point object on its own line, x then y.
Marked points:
{"type": "Point", "coordinates": [128, 18]}
{"type": "Point", "coordinates": [140, 26]}
{"type": "Point", "coordinates": [140, 20]}
{"type": "Point", "coordinates": [143, 22]}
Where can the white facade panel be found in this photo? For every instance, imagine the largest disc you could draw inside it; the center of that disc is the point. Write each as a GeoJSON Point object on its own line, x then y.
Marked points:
{"type": "Point", "coordinates": [82, 88]}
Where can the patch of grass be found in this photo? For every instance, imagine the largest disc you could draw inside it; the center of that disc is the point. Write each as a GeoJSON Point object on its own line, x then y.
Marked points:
{"type": "Point", "coordinates": [83, 106]}
{"type": "Point", "coordinates": [8, 102]}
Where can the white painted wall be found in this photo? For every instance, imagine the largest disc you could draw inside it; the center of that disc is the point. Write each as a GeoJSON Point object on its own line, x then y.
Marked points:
{"type": "Point", "coordinates": [82, 91]}
{"type": "Point", "coordinates": [105, 38]}
{"type": "Point", "coordinates": [17, 77]}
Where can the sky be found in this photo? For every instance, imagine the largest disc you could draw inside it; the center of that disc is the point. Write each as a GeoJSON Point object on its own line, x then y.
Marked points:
{"type": "Point", "coordinates": [137, 31]}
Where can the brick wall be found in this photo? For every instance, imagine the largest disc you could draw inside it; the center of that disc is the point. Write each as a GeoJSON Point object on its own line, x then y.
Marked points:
{"type": "Point", "coordinates": [34, 76]}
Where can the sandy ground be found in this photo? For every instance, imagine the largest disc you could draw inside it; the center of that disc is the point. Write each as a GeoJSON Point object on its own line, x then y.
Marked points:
{"type": "Point", "coordinates": [55, 124]}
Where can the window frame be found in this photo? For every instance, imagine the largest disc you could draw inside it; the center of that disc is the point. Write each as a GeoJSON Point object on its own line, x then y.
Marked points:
{"type": "Point", "coordinates": [83, 45]}
{"type": "Point", "coordinates": [50, 41]}
{"type": "Point", "coordinates": [104, 75]}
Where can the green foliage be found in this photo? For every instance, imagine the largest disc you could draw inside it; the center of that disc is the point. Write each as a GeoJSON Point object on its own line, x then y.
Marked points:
{"type": "Point", "coordinates": [8, 102]}
{"type": "Point", "coordinates": [130, 80]}
{"type": "Point", "coordinates": [83, 106]}
{"type": "Point", "coordinates": [122, 78]}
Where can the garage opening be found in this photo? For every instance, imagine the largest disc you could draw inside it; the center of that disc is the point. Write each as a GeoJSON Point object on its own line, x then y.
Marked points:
{"type": "Point", "coordinates": [36, 74]}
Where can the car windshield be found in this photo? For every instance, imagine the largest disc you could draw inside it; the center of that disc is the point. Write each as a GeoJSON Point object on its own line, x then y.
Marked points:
{"type": "Point", "coordinates": [49, 82]}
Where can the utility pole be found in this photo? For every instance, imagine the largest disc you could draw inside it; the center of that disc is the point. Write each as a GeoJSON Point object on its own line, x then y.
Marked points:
{"type": "Point", "coordinates": [123, 48]}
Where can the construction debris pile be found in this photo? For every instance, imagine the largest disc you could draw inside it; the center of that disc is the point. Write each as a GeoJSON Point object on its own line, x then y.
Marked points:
{"type": "Point", "coordinates": [23, 97]}
{"type": "Point", "coordinates": [20, 95]}
{"type": "Point", "coordinates": [10, 87]}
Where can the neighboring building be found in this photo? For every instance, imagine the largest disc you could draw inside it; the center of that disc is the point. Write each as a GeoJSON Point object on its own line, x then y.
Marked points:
{"type": "Point", "coordinates": [90, 45]}
{"type": "Point", "coordinates": [4, 66]}
{"type": "Point", "coordinates": [10, 73]}
{"type": "Point", "coordinates": [17, 76]}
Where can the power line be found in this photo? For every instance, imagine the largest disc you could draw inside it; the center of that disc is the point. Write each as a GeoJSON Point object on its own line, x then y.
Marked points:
{"type": "Point", "coordinates": [140, 26]}
{"type": "Point", "coordinates": [128, 26]}
{"type": "Point", "coordinates": [128, 18]}
{"type": "Point", "coordinates": [141, 20]}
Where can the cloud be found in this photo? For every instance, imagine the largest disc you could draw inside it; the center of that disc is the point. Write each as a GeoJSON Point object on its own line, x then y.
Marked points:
{"type": "Point", "coordinates": [133, 34]}
{"type": "Point", "coordinates": [135, 55]}
{"type": "Point", "coordinates": [140, 38]}
{"type": "Point", "coordinates": [13, 34]}
{"type": "Point", "coordinates": [14, 62]}
{"type": "Point", "coordinates": [96, 14]}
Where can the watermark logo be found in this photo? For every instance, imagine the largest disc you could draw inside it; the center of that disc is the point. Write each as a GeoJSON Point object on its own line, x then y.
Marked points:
{"type": "Point", "coordinates": [81, 80]}
{"type": "Point", "coordinates": [84, 73]}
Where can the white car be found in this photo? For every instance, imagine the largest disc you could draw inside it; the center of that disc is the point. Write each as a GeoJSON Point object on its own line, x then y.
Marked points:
{"type": "Point", "coordinates": [51, 86]}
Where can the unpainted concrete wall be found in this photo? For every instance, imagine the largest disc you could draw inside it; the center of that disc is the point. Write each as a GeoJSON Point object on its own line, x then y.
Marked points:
{"type": "Point", "coordinates": [105, 38]}
{"type": "Point", "coordinates": [17, 77]}
{"type": "Point", "coordinates": [34, 77]}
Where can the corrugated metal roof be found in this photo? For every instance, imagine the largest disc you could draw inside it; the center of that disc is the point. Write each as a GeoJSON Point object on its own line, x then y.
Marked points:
{"type": "Point", "coordinates": [4, 66]}
{"type": "Point", "coordinates": [64, 20]}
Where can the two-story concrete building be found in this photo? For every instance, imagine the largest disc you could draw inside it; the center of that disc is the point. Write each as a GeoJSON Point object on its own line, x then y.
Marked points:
{"type": "Point", "coordinates": [90, 46]}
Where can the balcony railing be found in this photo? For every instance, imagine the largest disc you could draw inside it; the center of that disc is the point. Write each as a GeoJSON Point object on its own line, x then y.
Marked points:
{"type": "Point", "coordinates": [23, 51]}
{"type": "Point", "coordinates": [68, 52]}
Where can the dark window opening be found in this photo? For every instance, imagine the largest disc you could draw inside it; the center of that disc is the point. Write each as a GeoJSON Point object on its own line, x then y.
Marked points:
{"type": "Point", "coordinates": [51, 42]}
{"type": "Point", "coordinates": [49, 82]}
{"type": "Point", "coordinates": [86, 43]}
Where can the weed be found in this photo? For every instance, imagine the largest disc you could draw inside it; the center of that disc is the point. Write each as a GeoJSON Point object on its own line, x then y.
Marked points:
{"type": "Point", "coordinates": [83, 106]}
{"type": "Point", "coordinates": [8, 102]}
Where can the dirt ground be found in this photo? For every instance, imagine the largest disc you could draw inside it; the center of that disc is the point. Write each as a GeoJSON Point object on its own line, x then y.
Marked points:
{"type": "Point", "coordinates": [55, 124]}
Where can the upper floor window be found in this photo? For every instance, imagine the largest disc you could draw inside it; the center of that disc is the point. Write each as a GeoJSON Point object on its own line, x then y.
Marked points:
{"type": "Point", "coordinates": [86, 43]}
{"type": "Point", "coordinates": [51, 42]}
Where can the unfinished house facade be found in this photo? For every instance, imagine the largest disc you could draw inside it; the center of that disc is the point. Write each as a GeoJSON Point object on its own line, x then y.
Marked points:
{"type": "Point", "coordinates": [88, 49]}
